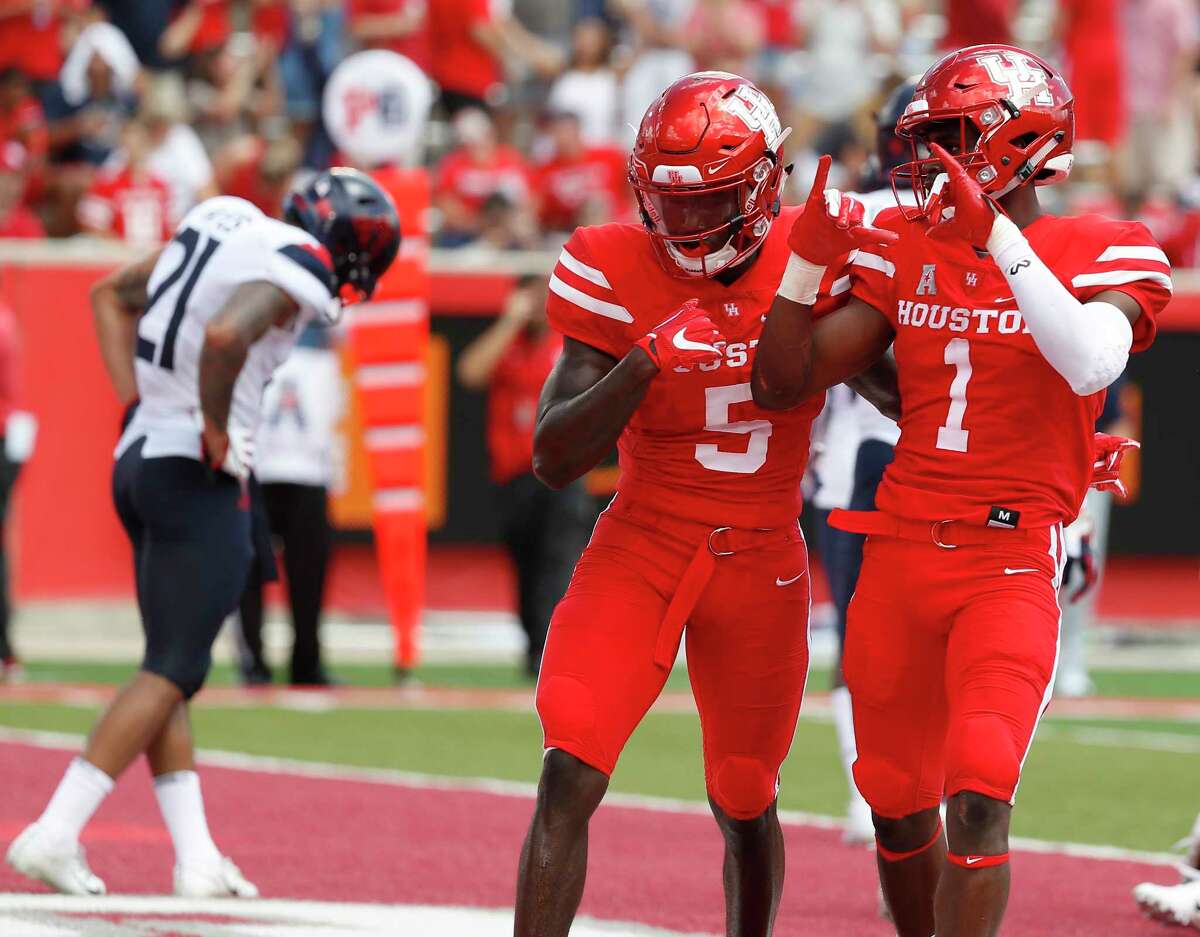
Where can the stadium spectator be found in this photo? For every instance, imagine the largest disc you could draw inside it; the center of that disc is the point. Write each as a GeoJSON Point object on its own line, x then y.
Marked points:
{"type": "Point", "coordinates": [143, 22]}
{"type": "Point", "coordinates": [725, 35]}
{"type": "Point", "coordinates": [295, 466]}
{"type": "Point", "coordinates": [580, 184]}
{"type": "Point", "coordinates": [659, 41]}
{"type": "Point", "coordinates": [234, 88]}
{"type": "Point", "coordinates": [543, 530]}
{"type": "Point", "coordinates": [310, 54]}
{"type": "Point", "coordinates": [197, 27]}
{"type": "Point", "coordinates": [480, 172]}
{"type": "Point", "coordinates": [23, 122]}
{"type": "Point", "coordinates": [16, 218]}
{"type": "Point", "coordinates": [34, 33]}
{"type": "Point", "coordinates": [399, 25]}
{"type": "Point", "coordinates": [1160, 56]}
{"type": "Point", "coordinates": [470, 42]}
{"type": "Point", "coordinates": [127, 200]}
{"type": "Point", "coordinates": [177, 156]}
{"type": "Point", "coordinates": [259, 170]}
{"type": "Point", "coordinates": [1090, 33]}
{"type": "Point", "coordinates": [973, 22]}
{"type": "Point", "coordinates": [590, 86]}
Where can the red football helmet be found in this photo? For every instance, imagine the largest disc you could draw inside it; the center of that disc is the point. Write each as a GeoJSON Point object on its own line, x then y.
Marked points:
{"type": "Point", "coordinates": [707, 169]}
{"type": "Point", "coordinates": [1006, 114]}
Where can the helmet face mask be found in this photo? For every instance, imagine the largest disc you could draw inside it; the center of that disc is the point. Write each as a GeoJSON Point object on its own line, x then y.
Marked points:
{"type": "Point", "coordinates": [1006, 115]}
{"type": "Point", "coordinates": [707, 172]}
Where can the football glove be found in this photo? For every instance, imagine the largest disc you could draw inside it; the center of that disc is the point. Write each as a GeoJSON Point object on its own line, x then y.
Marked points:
{"type": "Point", "coordinates": [832, 225]}
{"type": "Point", "coordinates": [686, 338]}
{"type": "Point", "coordinates": [1081, 559]}
{"type": "Point", "coordinates": [1106, 466]}
{"type": "Point", "coordinates": [960, 208]}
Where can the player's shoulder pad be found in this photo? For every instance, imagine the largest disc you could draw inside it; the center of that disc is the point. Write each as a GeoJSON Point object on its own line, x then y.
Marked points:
{"type": "Point", "coordinates": [305, 252]}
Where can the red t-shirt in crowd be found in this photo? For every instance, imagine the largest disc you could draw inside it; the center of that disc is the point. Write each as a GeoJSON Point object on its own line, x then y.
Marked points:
{"type": "Point", "coordinates": [513, 399]}
{"type": "Point", "coordinates": [136, 210]}
{"type": "Point", "coordinates": [416, 45]}
{"type": "Point", "coordinates": [32, 42]}
{"type": "Point", "coordinates": [21, 223]}
{"type": "Point", "coordinates": [270, 22]}
{"type": "Point", "coordinates": [473, 183]}
{"type": "Point", "coordinates": [973, 22]}
{"type": "Point", "coordinates": [779, 29]}
{"type": "Point", "coordinates": [25, 124]}
{"type": "Point", "coordinates": [565, 186]}
{"type": "Point", "coordinates": [1092, 43]}
{"type": "Point", "coordinates": [457, 61]}
{"type": "Point", "coordinates": [214, 24]}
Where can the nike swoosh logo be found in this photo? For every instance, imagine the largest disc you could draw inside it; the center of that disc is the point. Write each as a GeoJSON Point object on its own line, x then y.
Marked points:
{"type": "Point", "coordinates": [717, 167]}
{"type": "Point", "coordinates": [683, 343]}
{"type": "Point", "coordinates": [971, 860]}
{"type": "Point", "coordinates": [1013, 572]}
{"type": "Point", "coordinates": [1004, 299]}
{"type": "Point", "coordinates": [788, 582]}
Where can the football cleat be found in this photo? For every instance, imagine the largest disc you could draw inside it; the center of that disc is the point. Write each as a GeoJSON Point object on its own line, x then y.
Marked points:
{"type": "Point", "coordinates": [1170, 904]}
{"type": "Point", "coordinates": [61, 865]}
{"type": "Point", "coordinates": [223, 881]}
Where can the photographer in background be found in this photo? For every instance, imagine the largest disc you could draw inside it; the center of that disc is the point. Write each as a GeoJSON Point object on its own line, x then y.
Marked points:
{"type": "Point", "coordinates": [543, 530]}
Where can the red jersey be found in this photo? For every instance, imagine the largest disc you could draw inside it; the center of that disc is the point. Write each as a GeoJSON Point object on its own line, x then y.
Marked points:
{"type": "Point", "coordinates": [135, 210]}
{"type": "Point", "coordinates": [512, 402]}
{"type": "Point", "coordinates": [21, 222]}
{"type": "Point", "coordinates": [474, 183]}
{"type": "Point", "coordinates": [458, 61]}
{"type": "Point", "coordinates": [567, 186]}
{"type": "Point", "coordinates": [414, 46]}
{"type": "Point", "coordinates": [986, 424]}
{"type": "Point", "coordinates": [698, 447]}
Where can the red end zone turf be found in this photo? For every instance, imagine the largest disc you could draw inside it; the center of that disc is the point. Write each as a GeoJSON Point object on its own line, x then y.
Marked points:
{"type": "Point", "coordinates": [359, 841]}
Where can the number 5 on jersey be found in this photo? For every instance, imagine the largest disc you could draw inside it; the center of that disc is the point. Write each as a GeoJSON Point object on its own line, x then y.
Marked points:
{"type": "Point", "coordinates": [717, 401]}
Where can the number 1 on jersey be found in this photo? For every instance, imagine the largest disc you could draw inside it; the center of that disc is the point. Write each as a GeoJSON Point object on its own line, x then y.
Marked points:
{"type": "Point", "coordinates": [952, 436]}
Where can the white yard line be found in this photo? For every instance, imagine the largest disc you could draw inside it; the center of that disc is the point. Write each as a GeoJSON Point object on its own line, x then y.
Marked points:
{"type": "Point", "coordinates": [244, 762]}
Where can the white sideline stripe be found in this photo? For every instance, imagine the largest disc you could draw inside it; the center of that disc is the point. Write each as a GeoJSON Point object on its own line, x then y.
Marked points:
{"type": "Point", "coordinates": [1175, 742]}
{"type": "Point", "coordinates": [577, 267]}
{"type": "Point", "coordinates": [390, 375]}
{"type": "Point", "coordinates": [394, 437]}
{"type": "Point", "coordinates": [1133, 252]}
{"type": "Point", "coordinates": [590, 303]}
{"type": "Point", "coordinates": [389, 311]}
{"type": "Point", "coordinates": [840, 286]}
{"type": "Point", "coordinates": [875, 262]}
{"type": "Point", "coordinates": [1119, 277]}
{"type": "Point", "coordinates": [316, 769]}
{"type": "Point", "coordinates": [288, 917]}
{"type": "Point", "coordinates": [398, 499]}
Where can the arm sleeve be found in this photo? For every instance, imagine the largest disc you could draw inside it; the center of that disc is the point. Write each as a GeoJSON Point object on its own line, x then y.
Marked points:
{"type": "Point", "coordinates": [582, 304]}
{"type": "Point", "coordinates": [1131, 262]}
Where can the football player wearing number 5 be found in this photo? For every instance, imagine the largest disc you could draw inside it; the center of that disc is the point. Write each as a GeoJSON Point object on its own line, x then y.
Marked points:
{"type": "Point", "coordinates": [661, 323]}
{"type": "Point", "coordinates": [1007, 325]}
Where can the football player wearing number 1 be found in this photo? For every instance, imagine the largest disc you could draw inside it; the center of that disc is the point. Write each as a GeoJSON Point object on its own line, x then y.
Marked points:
{"type": "Point", "coordinates": [661, 324]}
{"type": "Point", "coordinates": [190, 336]}
{"type": "Point", "coordinates": [1007, 325]}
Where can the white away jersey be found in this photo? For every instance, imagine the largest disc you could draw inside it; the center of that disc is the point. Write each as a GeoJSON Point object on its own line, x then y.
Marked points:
{"type": "Point", "coordinates": [220, 245]}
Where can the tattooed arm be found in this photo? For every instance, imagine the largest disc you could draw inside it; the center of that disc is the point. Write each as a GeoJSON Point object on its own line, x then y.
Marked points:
{"type": "Point", "coordinates": [117, 301]}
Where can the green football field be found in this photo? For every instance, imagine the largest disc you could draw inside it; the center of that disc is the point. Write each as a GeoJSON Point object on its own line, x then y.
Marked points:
{"type": "Point", "coordinates": [1101, 779]}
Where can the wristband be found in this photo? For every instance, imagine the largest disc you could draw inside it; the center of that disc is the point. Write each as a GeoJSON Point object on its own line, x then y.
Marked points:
{"type": "Point", "coordinates": [801, 281]}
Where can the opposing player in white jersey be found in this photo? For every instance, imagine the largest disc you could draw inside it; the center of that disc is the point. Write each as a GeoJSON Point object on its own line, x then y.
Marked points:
{"type": "Point", "coordinates": [856, 445]}
{"type": "Point", "coordinates": [190, 337]}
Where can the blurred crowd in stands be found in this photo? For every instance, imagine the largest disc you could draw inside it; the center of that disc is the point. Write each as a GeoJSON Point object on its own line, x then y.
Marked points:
{"type": "Point", "coordinates": [117, 115]}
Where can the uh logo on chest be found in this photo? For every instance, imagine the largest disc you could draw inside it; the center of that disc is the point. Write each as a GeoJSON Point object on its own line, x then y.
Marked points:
{"type": "Point", "coordinates": [737, 354]}
{"type": "Point", "coordinates": [956, 315]}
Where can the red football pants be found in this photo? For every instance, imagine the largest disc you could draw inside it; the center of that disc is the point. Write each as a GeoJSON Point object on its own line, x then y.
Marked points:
{"type": "Point", "coordinates": [950, 657]}
{"type": "Point", "coordinates": [747, 648]}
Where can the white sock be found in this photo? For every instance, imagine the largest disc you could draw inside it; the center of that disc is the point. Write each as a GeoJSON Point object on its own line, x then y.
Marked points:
{"type": "Point", "coordinates": [80, 792]}
{"type": "Point", "coordinates": [843, 722]}
{"type": "Point", "coordinates": [182, 808]}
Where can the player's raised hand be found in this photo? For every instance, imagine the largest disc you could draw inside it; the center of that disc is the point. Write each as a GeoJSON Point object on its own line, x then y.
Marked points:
{"type": "Point", "coordinates": [832, 224]}
{"type": "Point", "coordinates": [961, 210]}
{"type": "Point", "coordinates": [1106, 467]}
{"type": "Point", "coordinates": [686, 338]}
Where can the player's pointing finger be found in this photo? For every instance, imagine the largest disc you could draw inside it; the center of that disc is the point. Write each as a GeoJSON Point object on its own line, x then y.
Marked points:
{"type": "Point", "coordinates": [822, 176]}
{"type": "Point", "coordinates": [953, 166]}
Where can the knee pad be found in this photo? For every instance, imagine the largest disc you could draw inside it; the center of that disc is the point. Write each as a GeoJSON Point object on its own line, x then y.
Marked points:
{"type": "Point", "coordinates": [188, 672]}
{"type": "Point", "coordinates": [567, 710]}
{"type": "Point", "coordinates": [982, 757]}
{"type": "Point", "coordinates": [892, 790]}
{"type": "Point", "coordinates": [743, 787]}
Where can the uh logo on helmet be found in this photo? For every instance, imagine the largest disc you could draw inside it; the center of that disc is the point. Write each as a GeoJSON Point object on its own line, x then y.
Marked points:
{"type": "Point", "coordinates": [707, 170]}
{"type": "Point", "coordinates": [1013, 113]}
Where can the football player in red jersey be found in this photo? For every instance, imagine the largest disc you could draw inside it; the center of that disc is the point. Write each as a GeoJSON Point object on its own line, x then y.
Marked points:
{"type": "Point", "coordinates": [661, 323]}
{"type": "Point", "coordinates": [1007, 325]}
